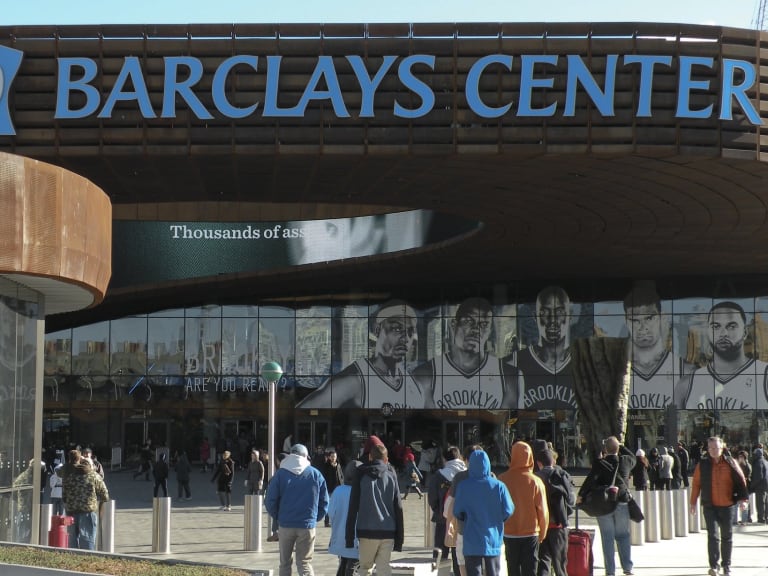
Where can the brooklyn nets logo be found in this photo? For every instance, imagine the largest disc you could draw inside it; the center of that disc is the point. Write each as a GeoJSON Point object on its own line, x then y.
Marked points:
{"type": "Point", "coordinates": [10, 60]}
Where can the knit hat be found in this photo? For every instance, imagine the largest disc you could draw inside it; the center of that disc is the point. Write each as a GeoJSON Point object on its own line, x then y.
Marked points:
{"type": "Point", "coordinates": [640, 452]}
{"type": "Point", "coordinates": [300, 450]}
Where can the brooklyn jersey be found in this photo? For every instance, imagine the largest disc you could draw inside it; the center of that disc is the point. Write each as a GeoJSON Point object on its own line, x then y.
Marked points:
{"type": "Point", "coordinates": [379, 390]}
{"type": "Point", "coordinates": [484, 388]}
{"type": "Point", "coordinates": [747, 389]}
{"type": "Point", "coordinates": [545, 389]}
{"type": "Point", "coordinates": [655, 390]}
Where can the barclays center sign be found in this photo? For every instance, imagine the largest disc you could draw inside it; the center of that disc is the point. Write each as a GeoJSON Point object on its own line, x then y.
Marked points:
{"type": "Point", "coordinates": [80, 93]}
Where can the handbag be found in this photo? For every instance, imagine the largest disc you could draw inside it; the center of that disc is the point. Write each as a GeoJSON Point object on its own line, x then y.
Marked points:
{"type": "Point", "coordinates": [635, 513]}
{"type": "Point", "coordinates": [599, 499]}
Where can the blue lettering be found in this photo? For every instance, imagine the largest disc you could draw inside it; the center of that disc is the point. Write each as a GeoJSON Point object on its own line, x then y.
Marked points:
{"type": "Point", "coordinates": [418, 87]}
{"type": "Point", "coordinates": [737, 90]}
{"type": "Point", "coordinates": [67, 85]}
{"type": "Point", "coordinates": [326, 70]}
{"type": "Point", "coordinates": [472, 89]}
{"type": "Point", "coordinates": [173, 86]}
{"type": "Point", "coordinates": [369, 86]}
{"type": "Point", "coordinates": [528, 83]}
{"type": "Point", "coordinates": [218, 90]}
{"type": "Point", "coordinates": [646, 79]}
{"type": "Point", "coordinates": [579, 73]}
{"type": "Point", "coordinates": [686, 84]}
{"type": "Point", "coordinates": [131, 69]}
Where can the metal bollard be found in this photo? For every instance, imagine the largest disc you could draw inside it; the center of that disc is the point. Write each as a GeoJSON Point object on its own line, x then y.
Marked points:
{"type": "Point", "coordinates": [107, 527]}
{"type": "Point", "coordinates": [429, 527]}
{"type": "Point", "coordinates": [651, 511]}
{"type": "Point", "coordinates": [752, 508]}
{"type": "Point", "coordinates": [680, 503]}
{"type": "Point", "coordinates": [252, 523]}
{"type": "Point", "coordinates": [694, 520]}
{"type": "Point", "coordinates": [161, 525]}
{"type": "Point", "coordinates": [46, 511]}
{"type": "Point", "coordinates": [636, 529]}
{"type": "Point", "coordinates": [666, 515]}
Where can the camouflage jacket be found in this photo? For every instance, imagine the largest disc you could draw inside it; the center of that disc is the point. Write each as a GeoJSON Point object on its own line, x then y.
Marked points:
{"type": "Point", "coordinates": [83, 489]}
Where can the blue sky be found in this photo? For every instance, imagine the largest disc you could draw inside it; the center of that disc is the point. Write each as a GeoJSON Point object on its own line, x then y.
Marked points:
{"type": "Point", "coordinates": [736, 13]}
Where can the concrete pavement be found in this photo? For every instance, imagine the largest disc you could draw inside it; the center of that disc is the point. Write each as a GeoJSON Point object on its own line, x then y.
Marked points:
{"type": "Point", "coordinates": [200, 532]}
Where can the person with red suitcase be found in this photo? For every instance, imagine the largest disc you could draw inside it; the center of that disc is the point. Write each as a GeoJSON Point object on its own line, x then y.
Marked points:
{"type": "Point", "coordinates": [580, 557]}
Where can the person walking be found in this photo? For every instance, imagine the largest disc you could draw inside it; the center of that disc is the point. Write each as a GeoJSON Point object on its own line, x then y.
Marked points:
{"type": "Point", "coordinates": [553, 550]}
{"type": "Point", "coordinates": [145, 464]}
{"type": "Point", "coordinates": [254, 482]}
{"type": "Point", "coordinates": [613, 469]}
{"type": "Point", "coordinates": [298, 498]}
{"type": "Point", "coordinates": [527, 527]}
{"type": "Point", "coordinates": [720, 483]}
{"type": "Point", "coordinates": [160, 474]}
{"type": "Point", "coordinates": [438, 487]}
{"type": "Point", "coordinates": [375, 514]}
{"type": "Point", "coordinates": [56, 483]}
{"type": "Point", "coordinates": [83, 491]}
{"type": "Point", "coordinates": [640, 471]}
{"type": "Point", "coordinates": [413, 477]}
{"type": "Point", "coordinates": [223, 476]}
{"type": "Point", "coordinates": [482, 504]}
{"type": "Point", "coordinates": [205, 454]}
{"type": "Point", "coordinates": [759, 484]}
{"type": "Point", "coordinates": [338, 509]}
{"type": "Point", "coordinates": [183, 471]}
{"type": "Point", "coordinates": [333, 474]}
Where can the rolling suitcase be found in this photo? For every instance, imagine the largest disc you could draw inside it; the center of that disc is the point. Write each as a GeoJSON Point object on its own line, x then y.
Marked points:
{"type": "Point", "coordinates": [580, 558]}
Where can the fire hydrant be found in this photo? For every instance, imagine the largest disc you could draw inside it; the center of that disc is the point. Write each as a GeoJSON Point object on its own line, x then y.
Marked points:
{"type": "Point", "coordinates": [58, 537]}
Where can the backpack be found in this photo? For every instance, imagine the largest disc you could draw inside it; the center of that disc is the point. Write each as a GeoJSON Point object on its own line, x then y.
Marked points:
{"type": "Point", "coordinates": [560, 477]}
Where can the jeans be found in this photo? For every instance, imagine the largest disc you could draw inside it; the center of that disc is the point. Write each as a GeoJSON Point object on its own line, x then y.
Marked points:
{"type": "Point", "coordinates": [474, 565]}
{"type": "Point", "coordinates": [375, 551]}
{"type": "Point", "coordinates": [522, 555]}
{"type": "Point", "coordinates": [302, 542]}
{"type": "Point", "coordinates": [761, 500]}
{"type": "Point", "coordinates": [82, 534]}
{"type": "Point", "coordinates": [719, 544]}
{"type": "Point", "coordinates": [615, 527]}
{"type": "Point", "coordinates": [553, 553]}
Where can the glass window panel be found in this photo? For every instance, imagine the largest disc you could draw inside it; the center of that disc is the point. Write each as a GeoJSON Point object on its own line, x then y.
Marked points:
{"type": "Point", "coordinates": [202, 345]}
{"type": "Point", "coordinates": [276, 312]}
{"type": "Point", "coordinates": [58, 353]}
{"type": "Point", "coordinates": [313, 348]}
{"type": "Point", "coordinates": [90, 350]}
{"type": "Point", "coordinates": [207, 311]}
{"type": "Point", "coordinates": [240, 311]}
{"type": "Point", "coordinates": [165, 349]}
{"type": "Point", "coordinates": [240, 346]}
{"type": "Point", "coordinates": [128, 346]}
{"type": "Point", "coordinates": [276, 342]}
{"type": "Point", "coordinates": [174, 313]}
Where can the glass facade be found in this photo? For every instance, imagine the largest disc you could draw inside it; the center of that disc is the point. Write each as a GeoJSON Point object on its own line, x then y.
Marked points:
{"type": "Point", "coordinates": [484, 367]}
{"type": "Point", "coordinates": [20, 325]}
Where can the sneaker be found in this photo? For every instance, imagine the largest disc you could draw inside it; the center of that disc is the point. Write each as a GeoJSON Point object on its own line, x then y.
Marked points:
{"type": "Point", "coordinates": [272, 538]}
{"type": "Point", "coordinates": [229, 508]}
{"type": "Point", "coordinates": [188, 498]}
{"type": "Point", "coordinates": [726, 569]}
{"type": "Point", "coordinates": [628, 573]}
{"type": "Point", "coordinates": [712, 572]}
{"type": "Point", "coordinates": [222, 507]}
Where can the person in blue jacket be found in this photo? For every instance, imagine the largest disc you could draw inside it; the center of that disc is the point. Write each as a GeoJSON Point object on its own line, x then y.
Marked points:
{"type": "Point", "coordinates": [337, 512]}
{"type": "Point", "coordinates": [482, 504]}
{"type": "Point", "coordinates": [297, 497]}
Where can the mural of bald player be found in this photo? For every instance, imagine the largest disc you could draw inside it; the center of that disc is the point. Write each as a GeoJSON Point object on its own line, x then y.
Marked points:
{"type": "Point", "coordinates": [546, 365]}
{"type": "Point", "coordinates": [381, 379]}
{"type": "Point", "coordinates": [467, 376]}
{"type": "Point", "coordinates": [731, 380]}
{"type": "Point", "coordinates": [655, 369]}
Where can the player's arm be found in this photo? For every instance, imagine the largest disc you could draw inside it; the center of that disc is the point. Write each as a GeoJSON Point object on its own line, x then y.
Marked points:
{"type": "Point", "coordinates": [345, 388]}
{"type": "Point", "coordinates": [514, 385]}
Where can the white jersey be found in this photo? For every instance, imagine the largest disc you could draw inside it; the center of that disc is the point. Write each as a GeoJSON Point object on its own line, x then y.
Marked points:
{"type": "Point", "coordinates": [379, 390]}
{"type": "Point", "coordinates": [453, 389]}
{"type": "Point", "coordinates": [655, 390]}
{"type": "Point", "coordinates": [747, 389]}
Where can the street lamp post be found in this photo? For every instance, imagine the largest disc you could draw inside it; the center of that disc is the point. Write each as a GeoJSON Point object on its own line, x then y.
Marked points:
{"type": "Point", "coordinates": [271, 372]}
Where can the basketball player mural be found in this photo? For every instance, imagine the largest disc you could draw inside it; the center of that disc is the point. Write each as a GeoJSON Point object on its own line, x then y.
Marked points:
{"type": "Point", "coordinates": [546, 364]}
{"type": "Point", "coordinates": [655, 369]}
{"type": "Point", "coordinates": [731, 380]}
{"type": "Point", "coordinates": [467, 376]}
{"type": "Point", "coordinates": [381, 379]}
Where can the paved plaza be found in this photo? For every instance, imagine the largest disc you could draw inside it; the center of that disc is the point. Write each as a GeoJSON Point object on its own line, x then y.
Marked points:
{"type": "Point", "coordinates": [200, 532]}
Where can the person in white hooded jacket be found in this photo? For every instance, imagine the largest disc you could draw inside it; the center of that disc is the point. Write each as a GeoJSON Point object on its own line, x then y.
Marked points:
{"type": "Point", "coordinates": [297, 497]}
{"type": "Point", "coordinates": [437, 492]}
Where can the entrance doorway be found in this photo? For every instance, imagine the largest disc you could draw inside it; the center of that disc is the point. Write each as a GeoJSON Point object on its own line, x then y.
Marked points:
{"type": "Point", "coordinates": [461, 433]}
{"type": "Point", "coordinates": [313, 433]}
{"type": "Point", "coordinates": [137, 432]}
{"type": "Point", "coordinates": [387, 430]}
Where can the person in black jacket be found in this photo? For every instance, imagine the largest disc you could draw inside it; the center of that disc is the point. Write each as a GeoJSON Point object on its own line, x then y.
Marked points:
{"type": "Point", "coordinates": [160, 473]}
{"type": "Point", "coordinates": [614, 526]}
{"type": "Point", "coordinates": [759, 484]}
{"type": "Point", "coordinates": [553, 550]}
{"type": "Point", "coordinates": [685, 462]}
{"type": "Point", "coordinates": [333, 474]}
{"type": "Point", "coordinates": [225, 474]}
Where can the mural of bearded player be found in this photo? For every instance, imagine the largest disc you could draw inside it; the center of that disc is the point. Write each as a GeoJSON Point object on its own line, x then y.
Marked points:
{"type": "Point", "coordinates": [546, 362]}
{"type": "Point", "coordinates": [382, 378]}
{"type": "Point", "coordinates": [731, 380]}
{"type": "Point", "coordinates": [655, 369]}
{"type": "Point", "coordinates": [468, 376]}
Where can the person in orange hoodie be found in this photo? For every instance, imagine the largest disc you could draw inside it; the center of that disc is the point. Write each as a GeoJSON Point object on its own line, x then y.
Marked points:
{"type": "Point", "coordinates": [527, 527]}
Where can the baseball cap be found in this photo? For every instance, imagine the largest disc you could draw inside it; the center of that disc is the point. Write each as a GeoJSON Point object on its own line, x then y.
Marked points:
{"type": "Point", "coordinates": [300, 450]}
